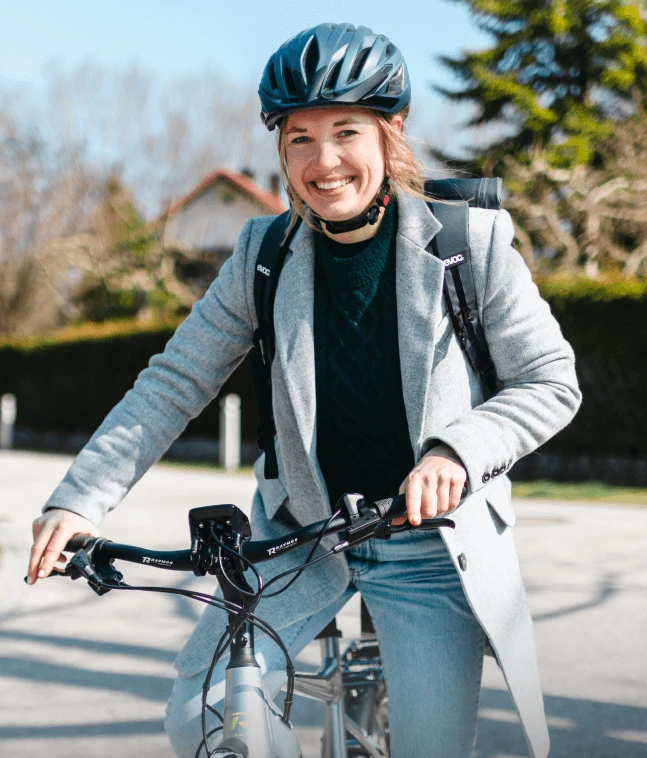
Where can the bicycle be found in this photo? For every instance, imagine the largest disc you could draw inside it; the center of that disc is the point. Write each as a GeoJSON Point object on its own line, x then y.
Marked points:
{"type": "Point", "coordinates": [349, 684]}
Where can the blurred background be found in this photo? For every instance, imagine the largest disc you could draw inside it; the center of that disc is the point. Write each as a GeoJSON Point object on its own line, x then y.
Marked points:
{"type": "Point", "coordinates": [131, 153]}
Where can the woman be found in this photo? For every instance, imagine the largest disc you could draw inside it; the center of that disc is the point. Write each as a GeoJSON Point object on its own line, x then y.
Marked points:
{"type": "Point", "coordinates": [371, 393]}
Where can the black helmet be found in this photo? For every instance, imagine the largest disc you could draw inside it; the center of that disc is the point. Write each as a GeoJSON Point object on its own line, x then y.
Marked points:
{"type": "Point", "coordinates": [334, 64]}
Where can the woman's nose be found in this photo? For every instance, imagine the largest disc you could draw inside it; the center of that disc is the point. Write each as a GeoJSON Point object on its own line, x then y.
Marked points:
{"type": "Point", "coordinates": [327, 157]}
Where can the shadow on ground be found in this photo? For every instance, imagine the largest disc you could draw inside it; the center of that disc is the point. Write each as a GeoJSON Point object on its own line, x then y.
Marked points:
{"type": "Point", "coordinates": [578, 727]}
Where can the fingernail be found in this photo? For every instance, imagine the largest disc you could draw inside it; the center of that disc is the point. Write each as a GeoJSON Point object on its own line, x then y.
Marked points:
{"type": "Point", "coordinates": [29, 580]}
{"type": "Point", "coordinates": [41, 574]}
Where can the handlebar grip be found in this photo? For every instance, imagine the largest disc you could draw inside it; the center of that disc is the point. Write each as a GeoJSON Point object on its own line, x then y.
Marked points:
{"type": "Point", "coordinates": [78, 542]}
{"type": "Point", "coordinates": [392, 507]}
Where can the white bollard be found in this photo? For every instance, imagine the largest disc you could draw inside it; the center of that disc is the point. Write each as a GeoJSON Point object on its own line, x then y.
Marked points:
{"type": "Point", "coordinates": [8, 407]}
{"type": "Point", "coordinates": [230, 432]}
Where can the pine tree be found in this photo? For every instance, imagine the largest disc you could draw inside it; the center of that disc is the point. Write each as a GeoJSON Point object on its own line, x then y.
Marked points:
{"type": "Point", "coordinates": [559, 74]}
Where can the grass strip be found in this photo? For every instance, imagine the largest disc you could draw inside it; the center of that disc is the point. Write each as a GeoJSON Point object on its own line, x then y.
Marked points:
{"type": "Point", "coordinates": [592, 492]}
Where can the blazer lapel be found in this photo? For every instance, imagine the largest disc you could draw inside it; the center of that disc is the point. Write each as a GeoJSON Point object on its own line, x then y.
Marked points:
{"type": "Point", "coordinates": [419, 283]}
{"type": "Point", "coordinates": [294, 329]}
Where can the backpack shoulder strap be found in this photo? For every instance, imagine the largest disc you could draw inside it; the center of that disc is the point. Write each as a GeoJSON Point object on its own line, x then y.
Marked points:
{"type": "Point", "coordinates": [451, 246]}
{"type": "Point", "coordinates": [269, 263]}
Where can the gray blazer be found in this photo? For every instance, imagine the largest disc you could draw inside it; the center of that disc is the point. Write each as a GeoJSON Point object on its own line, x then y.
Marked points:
{"type": "Point", "coordinates": [443, 400]}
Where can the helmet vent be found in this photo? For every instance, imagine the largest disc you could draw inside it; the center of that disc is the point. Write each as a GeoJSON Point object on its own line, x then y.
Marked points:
{"type": "Point", "coordinates": [396, 84]}
{"type": "Point", "coordinates": [390, 48]}
{"type": "Point", "coordinates": [289, 81]}
{"type": "Point", "coordinates": [272, 74]}
{"type": "Point", "coordinates": [310, 59]}
{"type": "Point", "coordinates": [332, 75]}
{"type": "Point", "coordinates": [358, 63]}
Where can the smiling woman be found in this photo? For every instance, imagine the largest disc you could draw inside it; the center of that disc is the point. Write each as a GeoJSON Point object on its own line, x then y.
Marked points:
{"type": "Point", "coordinates": [337, 139]}
{"type": "Point", "coordinates": [335, 162]}
{"type": "Point", "coordinates": [371, 393]}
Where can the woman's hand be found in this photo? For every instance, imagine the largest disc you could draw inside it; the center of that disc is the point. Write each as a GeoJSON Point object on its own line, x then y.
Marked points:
{"type": "Point", "coordinates": [52, 531]}
{"type": "Point", "coordinates": [433, 488]}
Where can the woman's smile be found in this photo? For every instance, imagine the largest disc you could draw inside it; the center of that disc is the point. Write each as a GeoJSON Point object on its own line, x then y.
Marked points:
{"type": "Point", "coordinates": [331, 184]}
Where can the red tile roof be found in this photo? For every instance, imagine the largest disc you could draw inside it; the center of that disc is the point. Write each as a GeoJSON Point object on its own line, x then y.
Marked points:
{"type": "Point", "coordinates": [246, 184]}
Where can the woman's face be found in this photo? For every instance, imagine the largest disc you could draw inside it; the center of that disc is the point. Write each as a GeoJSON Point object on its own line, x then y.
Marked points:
{"type": "Point", "coordinates": [335, 159]}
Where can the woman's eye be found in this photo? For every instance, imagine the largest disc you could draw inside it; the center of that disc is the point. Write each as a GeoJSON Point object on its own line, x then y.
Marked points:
{"type": "Point", "coordinates": [299, 140]}
{"type": "Point", "coordinates": [347, 133]}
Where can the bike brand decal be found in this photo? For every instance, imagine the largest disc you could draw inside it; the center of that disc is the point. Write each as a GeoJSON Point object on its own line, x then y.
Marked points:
{"type": "Point", "coordinates": [263, 270]}
{"type": "Point", "coordinates": [146, 559]}
{"type": "Point", "coordinates": [239, 718]}
{"type": "Point", "coordinates": [453, 261]}
{"type": "Point", "coordinates": [276, 549]}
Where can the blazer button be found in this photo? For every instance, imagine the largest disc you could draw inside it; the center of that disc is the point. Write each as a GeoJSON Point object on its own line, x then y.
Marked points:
{"type": "Point", "coordinates": [496, 471]}
{"type": "Point", "coordinates": [462, 562]}
{"type": "Point", "coordinates": [485, 478]}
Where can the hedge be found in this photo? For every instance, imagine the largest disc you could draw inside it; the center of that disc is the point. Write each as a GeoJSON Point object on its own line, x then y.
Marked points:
{"type": "Point", "coordinates": [70, 380]}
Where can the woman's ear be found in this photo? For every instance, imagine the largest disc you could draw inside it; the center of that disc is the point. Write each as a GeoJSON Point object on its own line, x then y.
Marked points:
{"type": "Point", "coordinates": [398, 122]}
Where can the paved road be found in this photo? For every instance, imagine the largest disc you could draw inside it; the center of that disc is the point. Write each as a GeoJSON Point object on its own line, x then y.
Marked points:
{"type": "Point", "coordinates": [83, 676]}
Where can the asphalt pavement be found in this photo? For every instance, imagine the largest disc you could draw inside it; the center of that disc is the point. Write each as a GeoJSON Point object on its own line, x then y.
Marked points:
{"type": "Point", "coordinates": [83, 676]}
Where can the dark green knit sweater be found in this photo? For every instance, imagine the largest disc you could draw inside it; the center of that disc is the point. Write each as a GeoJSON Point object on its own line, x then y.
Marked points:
{"type": "Point", "coordinates": [362, 434]}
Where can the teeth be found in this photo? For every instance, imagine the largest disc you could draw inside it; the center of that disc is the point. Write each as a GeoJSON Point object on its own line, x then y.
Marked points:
{"type": "Point", "coordinates": [333, 185]}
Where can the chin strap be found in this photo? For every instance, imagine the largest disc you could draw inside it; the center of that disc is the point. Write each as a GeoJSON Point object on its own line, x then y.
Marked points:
{"type": "Point", "coordinates": [369, 216]}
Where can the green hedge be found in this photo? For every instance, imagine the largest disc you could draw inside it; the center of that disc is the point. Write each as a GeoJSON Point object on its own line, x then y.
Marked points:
{"type": "Point", "coordinates": [606, 323]}
{"type": "Point", "coordinates": [69, 381]}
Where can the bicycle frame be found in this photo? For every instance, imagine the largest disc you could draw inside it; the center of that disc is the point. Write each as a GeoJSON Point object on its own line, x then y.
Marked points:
{"type": "Point", "coordinates": [348, 692]}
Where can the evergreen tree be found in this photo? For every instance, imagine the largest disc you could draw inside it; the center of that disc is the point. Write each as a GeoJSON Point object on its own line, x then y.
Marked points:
{"type": "Point", "coordinates": [559, 74]}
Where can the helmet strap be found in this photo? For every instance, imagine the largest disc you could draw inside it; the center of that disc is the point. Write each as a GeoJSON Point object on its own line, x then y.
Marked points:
{"type": "Point", "coordinates": [369, 216]}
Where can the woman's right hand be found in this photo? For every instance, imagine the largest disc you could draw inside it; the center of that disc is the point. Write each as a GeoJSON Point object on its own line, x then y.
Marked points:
{"type": "Point", "coordinates": [52, 531]}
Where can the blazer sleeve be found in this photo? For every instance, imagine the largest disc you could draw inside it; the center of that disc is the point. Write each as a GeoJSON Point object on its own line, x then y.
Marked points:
{"type": "Point", "coordinates": [534, 363]}
{"type": "Point", "coordinates": [177, 384]}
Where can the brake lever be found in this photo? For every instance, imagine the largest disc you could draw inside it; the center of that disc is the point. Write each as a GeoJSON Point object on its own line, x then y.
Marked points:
{"type": "Point", "coordinates": [426, 525]}
{"type": "Point", "coordinates": [99, 576]}
{"type": "Point", "coordinates": [70, 572]}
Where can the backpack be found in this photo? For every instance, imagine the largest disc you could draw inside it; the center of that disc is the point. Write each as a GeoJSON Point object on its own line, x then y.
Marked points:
{"type": "Point", "coordinates": [450, 245]}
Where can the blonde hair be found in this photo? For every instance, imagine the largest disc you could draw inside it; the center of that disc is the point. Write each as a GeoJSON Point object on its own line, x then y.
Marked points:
{"type": "Point", "coordinates": [401, 165]}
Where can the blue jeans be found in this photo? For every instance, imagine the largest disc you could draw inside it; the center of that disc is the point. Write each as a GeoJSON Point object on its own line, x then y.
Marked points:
{"type": "Point", "coordinates": [430, 643]}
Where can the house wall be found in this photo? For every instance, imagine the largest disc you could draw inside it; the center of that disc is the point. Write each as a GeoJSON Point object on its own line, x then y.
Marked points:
{"type": "Point", "coordinates": [211, 221]}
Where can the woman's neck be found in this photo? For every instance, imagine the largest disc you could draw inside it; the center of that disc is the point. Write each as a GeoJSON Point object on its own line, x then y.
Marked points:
{"type": "Point", "coordinates": [357, 235]}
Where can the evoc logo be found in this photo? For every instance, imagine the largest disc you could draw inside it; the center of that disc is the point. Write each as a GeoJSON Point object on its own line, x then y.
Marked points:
{"type": "Point", "coordinates": [455, 259]}
{"type": "Point", "coordinates": [263, 270]}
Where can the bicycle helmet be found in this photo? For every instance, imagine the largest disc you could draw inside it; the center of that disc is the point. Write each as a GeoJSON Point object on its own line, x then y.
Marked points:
{"type": "Point", "coordinates": [334, 64]}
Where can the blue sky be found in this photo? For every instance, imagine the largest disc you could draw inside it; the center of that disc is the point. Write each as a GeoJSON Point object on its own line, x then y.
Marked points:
{"type": "Point", "coordinates": [172, 38]}
{"type": "Point", "coordinates": [177, 43]}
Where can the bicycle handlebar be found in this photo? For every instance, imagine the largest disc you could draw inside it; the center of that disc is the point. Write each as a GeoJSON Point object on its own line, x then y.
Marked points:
{"type": "Point", "coordinates": [374, 515]}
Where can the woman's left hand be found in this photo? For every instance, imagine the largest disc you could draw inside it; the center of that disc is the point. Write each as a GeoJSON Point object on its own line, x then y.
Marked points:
{"type": "Point", "coordinates": [433, 488]}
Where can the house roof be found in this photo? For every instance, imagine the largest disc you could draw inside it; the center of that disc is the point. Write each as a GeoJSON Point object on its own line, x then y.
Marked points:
{"type": "Point", "coordinates": [244, 183]}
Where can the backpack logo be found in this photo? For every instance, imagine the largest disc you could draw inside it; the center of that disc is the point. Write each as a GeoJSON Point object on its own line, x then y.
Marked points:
{"type": "Point", "coordinates": [454, 260]}
{"type": "Point", "coordinates": [263, 270]}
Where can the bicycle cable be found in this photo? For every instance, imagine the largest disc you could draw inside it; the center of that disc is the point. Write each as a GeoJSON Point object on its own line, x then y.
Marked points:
{"type": "Point", "coordinates": [222, 546]}
{"type": "Point", "coordinates": [212, 732]}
